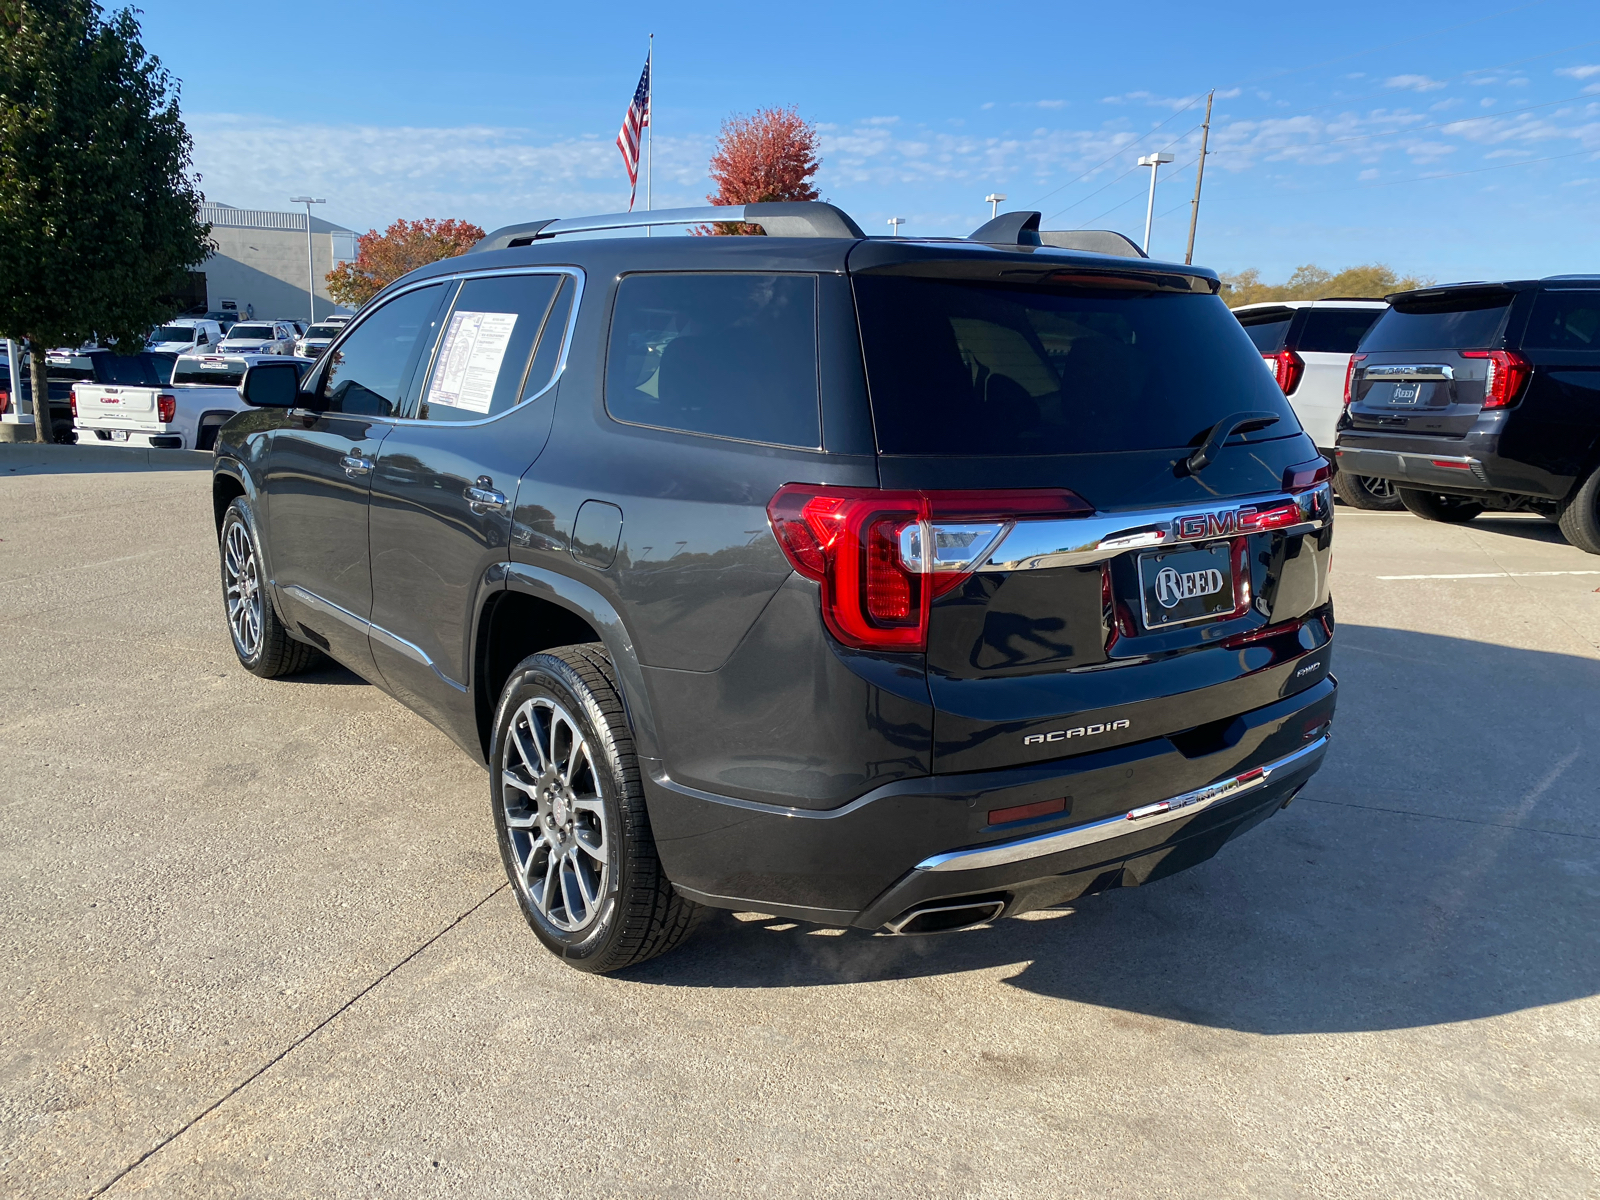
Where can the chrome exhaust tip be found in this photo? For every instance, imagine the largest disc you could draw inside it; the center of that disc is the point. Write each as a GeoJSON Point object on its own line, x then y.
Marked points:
{"type": "Point", "coordinates": [946, 918]}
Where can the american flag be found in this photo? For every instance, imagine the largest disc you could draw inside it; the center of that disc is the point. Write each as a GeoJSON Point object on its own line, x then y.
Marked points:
{"type": "Point", "coordinates": [633, 125]}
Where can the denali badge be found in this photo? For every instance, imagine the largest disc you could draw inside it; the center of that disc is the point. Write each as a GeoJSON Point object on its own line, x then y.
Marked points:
{"type": "Point", "coordinates": [1171, 587]}
{"type": "Point", "coordinates": [1061, 735]}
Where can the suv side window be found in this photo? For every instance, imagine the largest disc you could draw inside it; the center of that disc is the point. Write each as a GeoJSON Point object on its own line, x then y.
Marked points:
{"type": "Point", "coordinates": [730, 355]}
{"type": "Point", "coordinates": [366, 374]}
{"type": "Point", "coordinates": [1564, 320]}
{"type": "Point", "coordinates": [481, 368]}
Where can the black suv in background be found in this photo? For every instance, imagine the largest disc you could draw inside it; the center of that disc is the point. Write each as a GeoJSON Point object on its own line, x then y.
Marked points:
{"type": "Point", "coordinates": [1482, 396]}
{"type": "Point", "coordinates": [876, 582]}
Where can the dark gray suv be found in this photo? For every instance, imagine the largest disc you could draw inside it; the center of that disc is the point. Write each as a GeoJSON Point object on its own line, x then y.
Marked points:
{"type": "Point", "coordinates": [871, 582]}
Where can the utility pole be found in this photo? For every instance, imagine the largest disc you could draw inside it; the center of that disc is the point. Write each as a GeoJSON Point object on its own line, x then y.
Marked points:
{"type": "Point", "coordinates": [311, 270]}
{"type": "Point", "coordinates": [993, 200]}
{"type": "Point", "coordinates": [1199, 176]}
{"type": "Point", "coordinates": [1155, 162]}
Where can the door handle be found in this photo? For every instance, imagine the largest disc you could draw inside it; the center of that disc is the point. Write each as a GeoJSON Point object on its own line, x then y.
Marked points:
{"type": "Point", "coordinates": [355, 465]}
{"type": "Point", "coordinates": [482, 497]}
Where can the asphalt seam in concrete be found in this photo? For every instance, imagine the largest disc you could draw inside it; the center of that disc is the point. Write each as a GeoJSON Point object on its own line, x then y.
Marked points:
{"type": "Point", "coordinates": [1406, 812]}
{"type": "Point", "coordinates": [285, 1052]}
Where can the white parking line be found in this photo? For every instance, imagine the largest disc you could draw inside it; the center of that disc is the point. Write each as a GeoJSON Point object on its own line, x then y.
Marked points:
{"type": "Point", "coordinates": [1492, 575]}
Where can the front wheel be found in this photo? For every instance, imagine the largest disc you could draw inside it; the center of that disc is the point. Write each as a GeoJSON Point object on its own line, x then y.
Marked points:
{"type": "Point", "coordinates": [1367, 492]}
{"type": "Point", "coordinates": [570, 817]}
{"type": "Point", "coordinates": [1432, 506]}
{"type": "Point", "coordinates": [1580, 516]}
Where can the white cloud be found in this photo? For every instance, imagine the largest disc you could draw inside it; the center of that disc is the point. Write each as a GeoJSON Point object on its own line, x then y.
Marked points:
{"type": "Point", "coordinates": [1369, 173]}
{"type": "Point", "coordinates": [1045, 104]}
{"type": "Point", "coordinates": [1581, 72]}
{"type": "Point", "coordinates": [1413, 83]}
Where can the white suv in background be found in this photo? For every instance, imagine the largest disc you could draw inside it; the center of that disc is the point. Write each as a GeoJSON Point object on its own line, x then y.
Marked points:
{"type": "Point", "coordinates": [1307, 345]}
{"type": "Point", "coordinates": [260, 337]}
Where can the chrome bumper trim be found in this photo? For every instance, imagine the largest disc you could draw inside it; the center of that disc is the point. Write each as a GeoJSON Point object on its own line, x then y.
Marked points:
{"type": "Point", "coordinates": [1144, 817]}
{"type": "Point", "coordinates": [1081, 541]}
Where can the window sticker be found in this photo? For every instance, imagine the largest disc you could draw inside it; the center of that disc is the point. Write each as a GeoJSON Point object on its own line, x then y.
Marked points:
{"type": "Point", "coordinates": [469, 361]}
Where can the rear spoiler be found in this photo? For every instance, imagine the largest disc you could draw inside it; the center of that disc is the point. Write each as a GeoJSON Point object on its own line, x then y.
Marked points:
{"type": "Point", "coordinates": [1022, 229]}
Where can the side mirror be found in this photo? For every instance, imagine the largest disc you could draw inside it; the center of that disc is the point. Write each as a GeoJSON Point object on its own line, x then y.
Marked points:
{"type": "Point", "coordinates": [270, 385]}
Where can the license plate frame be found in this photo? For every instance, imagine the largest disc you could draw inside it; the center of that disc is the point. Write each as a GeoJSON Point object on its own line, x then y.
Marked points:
{"type": "Point", "coordinates": [1406, 394]}
{"type": "Point", "coordinates": [1180, 586]}
{"type": "Point", "coordinates": [119, 435]}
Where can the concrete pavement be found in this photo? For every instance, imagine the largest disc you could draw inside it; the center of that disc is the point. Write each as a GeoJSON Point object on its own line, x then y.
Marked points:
{"type": "Point", "coordinates": [257, 942]}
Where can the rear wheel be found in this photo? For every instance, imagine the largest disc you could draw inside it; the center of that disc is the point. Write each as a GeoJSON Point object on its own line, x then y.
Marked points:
{"type": "Point", "coordinates": [260, 640]}
{"type": "Point", "coordinates": [1580, 518]}
{"type": "Point", "coordinates": [570, 816]}
{"type": "Point", "coordinates": [1367, 492]}
{"type": "Point", "coordinates": [1432, 506]}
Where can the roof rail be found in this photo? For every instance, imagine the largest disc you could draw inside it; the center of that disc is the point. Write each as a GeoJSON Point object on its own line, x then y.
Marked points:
{"type": "Point", "coordinates": [806, 218]}
{"type": "Point", "coordinates": [1022, 229]}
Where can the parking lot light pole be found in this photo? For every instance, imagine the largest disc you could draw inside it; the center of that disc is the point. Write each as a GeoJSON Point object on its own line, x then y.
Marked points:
{"type": "Point", "coordinates": [1154, 162]}
{"type": "Point", "coordinates": [894, 225]}
{"type": "Point", "coordinates": [311, 270]}
{"type": "Point", "coordinates": [993, 200]}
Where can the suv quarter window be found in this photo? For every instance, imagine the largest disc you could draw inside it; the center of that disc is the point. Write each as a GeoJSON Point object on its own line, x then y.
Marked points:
{"type": "Point", "coordinates": [726, 354]}
{"type": "Point", "coordinates": [367, 373]}
{"type": "Point", "coordinates": [496, 330]}
{"type": "Point", "coordinates": [1335, 330]}
{"type": "Point", "coordinates": [1564, 320]}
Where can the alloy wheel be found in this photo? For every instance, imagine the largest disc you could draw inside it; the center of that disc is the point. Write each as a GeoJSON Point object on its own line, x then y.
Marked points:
{"type": "Point", "coordinates": [1383, 489]}
{"type": "Point", "coordinates": [242, 587]}
{"type": "Point", "coordinates": [555, 816]}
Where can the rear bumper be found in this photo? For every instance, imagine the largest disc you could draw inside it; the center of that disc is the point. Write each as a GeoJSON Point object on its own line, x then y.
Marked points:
{"type": "Point", "coordinates": [1133, 813]}
{"type": "Point", "coordinates": [96, 435]}
{"type": "Point", "coordinates": [1466, 466]}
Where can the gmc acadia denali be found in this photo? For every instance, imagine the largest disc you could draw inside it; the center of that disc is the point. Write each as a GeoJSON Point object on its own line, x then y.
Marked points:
{"type": "Point", "coordinates": [872, 582]}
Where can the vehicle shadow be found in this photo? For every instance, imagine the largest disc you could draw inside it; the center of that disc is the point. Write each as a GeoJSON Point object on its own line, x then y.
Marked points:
{"type": "Point", "coordinates": [1533, 528]}
{"type": "Point", "coordinates": [1439, 868]}
{"type": "Point", "coordinates": [327, 672]}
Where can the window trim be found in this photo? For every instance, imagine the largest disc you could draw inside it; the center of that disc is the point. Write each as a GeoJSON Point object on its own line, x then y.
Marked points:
{"type": "Point", "coordinates": [816, 346]}
{"type": "Point", "coordinates": [456, 280]}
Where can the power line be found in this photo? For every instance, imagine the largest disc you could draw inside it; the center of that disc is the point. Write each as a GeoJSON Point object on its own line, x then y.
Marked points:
{"type": "Point", "coordinates": [1119, 178]}
{"type": "Point", "coordinates": [1122, 149]}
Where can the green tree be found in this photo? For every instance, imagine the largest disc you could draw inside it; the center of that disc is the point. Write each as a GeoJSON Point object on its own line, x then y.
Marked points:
{"type": "Point", "coordinates": [1311, 282]}
{"type": "Point", "coordinates": [99, 204]}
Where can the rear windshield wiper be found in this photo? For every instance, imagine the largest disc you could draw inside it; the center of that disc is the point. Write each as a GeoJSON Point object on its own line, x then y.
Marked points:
{"type": "Point", "coordinates": [1239, 422]}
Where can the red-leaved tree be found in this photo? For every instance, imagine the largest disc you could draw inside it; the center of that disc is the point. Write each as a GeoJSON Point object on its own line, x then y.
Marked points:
{"type": "Point", "coordinates": [381, 258]}
{"type": "Point", "coordinates": [770, 155]}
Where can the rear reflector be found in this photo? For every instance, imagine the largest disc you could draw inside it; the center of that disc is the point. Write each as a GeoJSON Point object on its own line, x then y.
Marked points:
{"type": "Point", "coordinates": [1240, 640]}
{"type": "Point", "coordinates": [1021, 812]}
{"type": "Point", "coordinates": [1454, 466]}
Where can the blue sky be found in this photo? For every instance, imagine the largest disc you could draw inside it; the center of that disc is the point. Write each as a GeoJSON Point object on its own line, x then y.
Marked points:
{"type": "Point", "coordinates": [1454, 140]}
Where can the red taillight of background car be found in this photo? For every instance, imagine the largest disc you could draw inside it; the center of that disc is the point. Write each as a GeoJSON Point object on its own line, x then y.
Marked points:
{"type": "Point", "coordinates": [5, 401]}
{"type": "Point", "coordinates": [1287, 367]}
{"type": "Point", "coordinates": [1350, 377]}
{"type": "Point", "coordinates": [882, 557]}
{"type": "Point", "coordinates": [73, 394]}
{"type": "Point", "coordinates": [166, 408]}
{"type": "Point", "coordinates": [1508, 371]}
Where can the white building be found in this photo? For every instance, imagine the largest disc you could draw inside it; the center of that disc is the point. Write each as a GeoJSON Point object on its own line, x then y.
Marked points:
{"type": "Point", "coordinates": [259, 268]}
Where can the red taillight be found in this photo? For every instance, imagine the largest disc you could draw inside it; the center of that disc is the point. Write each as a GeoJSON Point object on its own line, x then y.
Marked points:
{"type": "Point", "coordinates": [1350, 377]}
{"type": "Point", "coordinates": [5, 402]}
{"type": "Point", "coordinates": [882, 557]}
{"type": "Point", "coordinates": [1508, 371]}
{"type": "Point", "coordinates": [1287, 367]}
{"type": "Point", "coordinates": [166, 408]}
{"type": "Point", "coordinates": [74, 395]}
{"type": "Point", "coordinates": [1302, 477]}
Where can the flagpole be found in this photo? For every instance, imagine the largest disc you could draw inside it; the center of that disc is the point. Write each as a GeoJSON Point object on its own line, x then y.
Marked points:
{"type": "Point", "coordinates": [650, 108]}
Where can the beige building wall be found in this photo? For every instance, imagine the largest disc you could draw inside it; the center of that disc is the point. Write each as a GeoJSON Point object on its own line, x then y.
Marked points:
{"type": "Point", "coordinates": [260, 262]}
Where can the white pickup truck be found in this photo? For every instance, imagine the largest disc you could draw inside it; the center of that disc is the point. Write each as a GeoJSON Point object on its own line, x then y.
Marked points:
{"type": "Point", "coordinates": [184, 415]}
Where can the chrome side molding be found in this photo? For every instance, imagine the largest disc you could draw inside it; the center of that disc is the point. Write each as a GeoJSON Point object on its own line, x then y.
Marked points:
{"type": "Point", "coordinates": [1080, 541]}
{"type": "Point", "coordinates": [1144, 817]}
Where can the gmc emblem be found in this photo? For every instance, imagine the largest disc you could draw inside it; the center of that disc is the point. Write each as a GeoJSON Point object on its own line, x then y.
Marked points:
{"type": "Point", "coordinates": [1215, 525]}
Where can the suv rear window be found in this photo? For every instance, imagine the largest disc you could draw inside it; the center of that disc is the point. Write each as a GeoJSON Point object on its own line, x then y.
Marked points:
{"type": "Point", "coordinates": [1335, 330]}
{"type": "Point", "coordinates": [961, 368]}
{"type": "Point", "coordinates": [729, 354]}
{"type": "Point", "coordinates": [1470, 322]}
{"type": "Point", "coordinates": [1267, 336]}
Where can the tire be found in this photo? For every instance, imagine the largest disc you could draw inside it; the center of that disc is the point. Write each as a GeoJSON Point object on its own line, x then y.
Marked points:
{"type": "Point", "coordinates": [1367, 492]}
{"type": "Point", "coordinates": [1580, 516]}
{"type": "Point", "coordinates": [62, 433]}
{"type": "Point", "coordinates": [574, 836]}
{"type": "Point", "coordinates": [261, 641]}
{"type": "Point", "coordinates": [1431, 506]}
